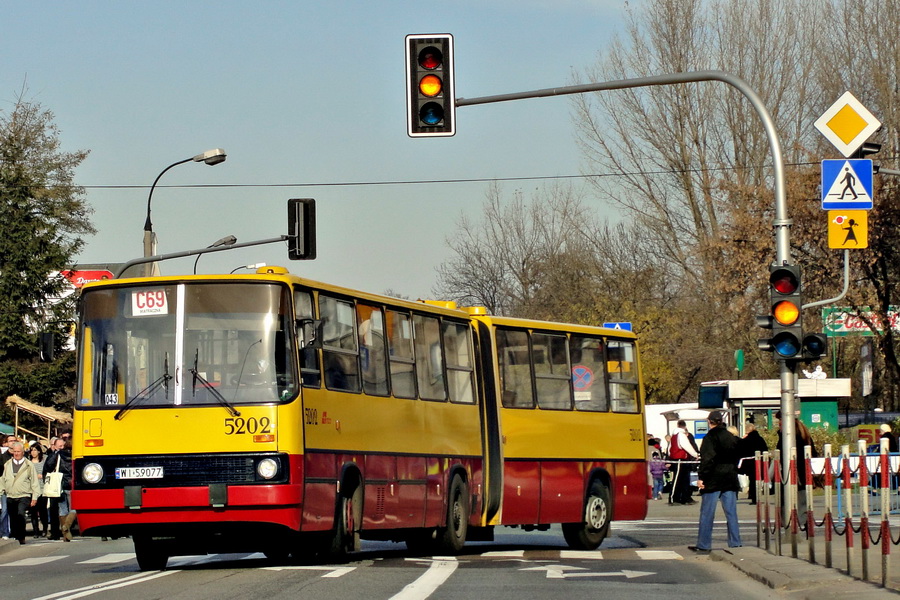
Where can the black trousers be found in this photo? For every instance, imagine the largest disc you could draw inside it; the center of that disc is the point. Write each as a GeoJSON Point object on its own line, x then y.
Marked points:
{"type": "Point", "coordinates": [17, 508]}
{"type": "Point", "coordinates": [681, 486]}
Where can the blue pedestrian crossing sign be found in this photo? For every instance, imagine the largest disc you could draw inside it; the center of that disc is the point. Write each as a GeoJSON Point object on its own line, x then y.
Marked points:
{"type": "Point", "coordinates": [847, 184]}
{"type": "Point", "coordinates": [623, 325]}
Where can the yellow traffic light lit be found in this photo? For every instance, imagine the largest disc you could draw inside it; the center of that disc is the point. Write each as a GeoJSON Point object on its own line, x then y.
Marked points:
{"type": "Point", "coordinates": [431, 85]}
{"type": "Point", "coordinates": [786, 312]}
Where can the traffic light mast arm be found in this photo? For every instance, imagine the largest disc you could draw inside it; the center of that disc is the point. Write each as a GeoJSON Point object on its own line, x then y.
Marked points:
{"type": "Point", "coordinates": [781, 222]}
{"type": "Point", "coordinates": [846, 284]}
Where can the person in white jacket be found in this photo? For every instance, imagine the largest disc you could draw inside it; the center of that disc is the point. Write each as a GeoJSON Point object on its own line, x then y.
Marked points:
{"type": "Point", "coordinates": [683, 453]}
{"type": "Point", "coordinates": [19, 482]}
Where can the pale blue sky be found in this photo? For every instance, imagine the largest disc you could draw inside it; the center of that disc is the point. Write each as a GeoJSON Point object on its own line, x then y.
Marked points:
{"type": "Point", "coordinates": [297, 93]}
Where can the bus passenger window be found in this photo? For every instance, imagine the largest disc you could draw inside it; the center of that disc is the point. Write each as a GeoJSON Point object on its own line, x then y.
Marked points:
{"type": "Point", "coordinates": [339, 344]}
{"type": "Point", "coordinates": [588, 373]}
{"type": "Point", "coordinates": [373, 358]}
{"type": "Point", "coordinates": [551, 371]}
{"type": "Point", "coordinates": [460, 374]}
{"type": "Point", "coordinates": [309, 357]}
{"type": "Point", "coordinates": [400, 348]}
{"type": "Point", "coordinates": [623, 383]}
{"type": "Point", "coordinates": [515, 369]}
{"type": "Point", "coordinates": [429, 359]}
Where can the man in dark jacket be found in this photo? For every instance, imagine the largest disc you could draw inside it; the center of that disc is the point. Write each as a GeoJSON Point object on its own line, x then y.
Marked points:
{"type": "Point", "coordinates": [748, 446]}
{"type": "Point", "coordinates": [718, 482]}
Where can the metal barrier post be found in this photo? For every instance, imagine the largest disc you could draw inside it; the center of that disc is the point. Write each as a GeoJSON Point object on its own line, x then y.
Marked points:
{"type": "Point", "coordinates": [810, 518]}
{"type": "Point", "coordinates": [779, 504]}
{"type": "Point", "coordinates": [829, 518]}
{"type": "Point", "coordinates": [793, 519]}
{"type": "Point", "coordinates": [848, 502]}
{"type": "Point", "coordinates": [885, 512]}
{"type": "Point", "coordinates": [765, 499]}
{"type": "Point", "coordinates": [863, 475]}
{"type": "Point", "coordinates": [757, 471]}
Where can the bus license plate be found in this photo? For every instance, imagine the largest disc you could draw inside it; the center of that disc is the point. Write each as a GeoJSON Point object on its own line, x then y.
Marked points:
{"type": "Point", "coordinates": [139, 473]}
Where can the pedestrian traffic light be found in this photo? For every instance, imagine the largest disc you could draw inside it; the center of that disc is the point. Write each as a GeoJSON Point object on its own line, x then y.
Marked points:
{"type": "Point", "coordinates": [430, 101]}
{"type": "Point", "coordinates": [784, 320]}
{"type": "Point", "coordinates": [815, 346]}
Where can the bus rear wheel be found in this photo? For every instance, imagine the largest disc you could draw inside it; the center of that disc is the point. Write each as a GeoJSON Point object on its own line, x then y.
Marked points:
{"type": "Point", "coordinates": [452, 538]}
{"type": "Point", "coordinates": [590, 533]}
{"type": "Point", "coordinates": [150, 554]}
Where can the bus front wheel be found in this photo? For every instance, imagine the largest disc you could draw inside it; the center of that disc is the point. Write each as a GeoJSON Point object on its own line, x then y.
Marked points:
{"type": "Point", "coordinates": [590, 533]}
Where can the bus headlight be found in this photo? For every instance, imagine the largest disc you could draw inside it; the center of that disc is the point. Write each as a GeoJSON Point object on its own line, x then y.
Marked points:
{"type": "Point", "coordinates": [92, 473]}
{"type": "Point", "coordinates": [267, 468]}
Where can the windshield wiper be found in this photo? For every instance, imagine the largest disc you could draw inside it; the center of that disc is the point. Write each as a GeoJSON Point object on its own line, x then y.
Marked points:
{"type": "Point", "coordinates": [212, 389]}
{"type": "Point", "coordinates": [161, 381]}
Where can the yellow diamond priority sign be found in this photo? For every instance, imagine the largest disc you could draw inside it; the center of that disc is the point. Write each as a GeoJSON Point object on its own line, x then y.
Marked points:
{"type": "Point", "coordinates": [848, 229]}
{"type": "Point", "coordinates": [847, 124]}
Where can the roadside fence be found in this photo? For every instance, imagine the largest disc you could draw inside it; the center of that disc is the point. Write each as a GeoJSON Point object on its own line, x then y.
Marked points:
{"type": "Point", "coordinates": [849, 496]}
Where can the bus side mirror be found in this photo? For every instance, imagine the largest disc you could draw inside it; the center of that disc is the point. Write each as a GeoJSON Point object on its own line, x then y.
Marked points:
{"type": "Point", "coordinates": [310, 333]}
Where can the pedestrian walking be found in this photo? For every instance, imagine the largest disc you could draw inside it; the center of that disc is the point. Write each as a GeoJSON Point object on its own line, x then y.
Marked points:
{"type": "Point", "coordinates": [718, 483]}
{"type": "Point", "coordinates": [683, 454]}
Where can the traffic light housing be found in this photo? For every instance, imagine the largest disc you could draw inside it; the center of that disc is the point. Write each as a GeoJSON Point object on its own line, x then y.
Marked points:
{"type": "Point", "coordinates": [430, 99]}
{"type": "Point", "coordinates": [301, 229]}
{"type": "Point", "coordinates": [784, 320]}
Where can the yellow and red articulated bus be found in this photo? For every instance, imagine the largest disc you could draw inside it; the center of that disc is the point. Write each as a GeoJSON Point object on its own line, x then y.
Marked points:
{"type": "Point", "coordinates": [270, 413]}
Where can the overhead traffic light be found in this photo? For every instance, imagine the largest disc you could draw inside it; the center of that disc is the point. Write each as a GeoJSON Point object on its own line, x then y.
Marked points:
{"type": "Point", "coordinates": [784, 320]}
{"type": "Point", "coordinates": [430, 100]}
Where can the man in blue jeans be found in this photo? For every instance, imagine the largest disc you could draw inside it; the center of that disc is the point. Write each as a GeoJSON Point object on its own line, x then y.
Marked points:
{"type": "Point", "coordinates": [718, 482]}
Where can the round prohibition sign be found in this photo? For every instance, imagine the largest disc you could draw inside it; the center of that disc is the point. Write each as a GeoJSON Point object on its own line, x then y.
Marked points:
{"type": "Point", "coordinates": [582, 377]}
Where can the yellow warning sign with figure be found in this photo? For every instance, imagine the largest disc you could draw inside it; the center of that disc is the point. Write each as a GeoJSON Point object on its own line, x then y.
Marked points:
{"type": "Point", "coordinates": [848, 229]}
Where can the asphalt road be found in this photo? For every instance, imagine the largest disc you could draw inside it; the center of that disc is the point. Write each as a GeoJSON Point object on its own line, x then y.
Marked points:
{"type": "Point", "coordinates": [639, 560]}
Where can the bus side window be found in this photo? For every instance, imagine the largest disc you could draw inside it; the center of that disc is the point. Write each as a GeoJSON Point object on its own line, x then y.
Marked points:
{"type": "Point", "coordinates": [460, 374]}
{"type": "Point", "coordinates": [400, 348]}
{"type": "Point", "coordinates": [514, 369]}
{"type": "Point", "coordinates": [551, 371]}
{"type": "Point", "coordinates": [340, 356]}
{"type": "Point", "coordinates": [623, 383]}
{"type": "Point", "coordinates": [588, 373]}
{"type": "Point", "coordinates": [372, 355]}
{"type": "Point", "coordinates": [429, 358]}
{"type": "Point", "coordinates": [309, 357]}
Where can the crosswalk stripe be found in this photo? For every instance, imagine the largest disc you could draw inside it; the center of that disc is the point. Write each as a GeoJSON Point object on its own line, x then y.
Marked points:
{"type": "Point", "coordinates": [658, 555]}
{"type": "Point", "coordinates": [109, 559]}
{"type": "Point", "coordinates": [31, 562]}
{"type": "Point", "coordinates": [581, 554]}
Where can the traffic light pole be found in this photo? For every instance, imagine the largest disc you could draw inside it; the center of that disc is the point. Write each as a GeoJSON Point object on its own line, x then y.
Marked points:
{"type": "Point", "coordinates": [782, 224]}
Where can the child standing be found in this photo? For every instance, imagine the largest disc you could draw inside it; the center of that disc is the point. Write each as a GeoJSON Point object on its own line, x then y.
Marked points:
{"type": "Point", "coordinates": [657, 471]}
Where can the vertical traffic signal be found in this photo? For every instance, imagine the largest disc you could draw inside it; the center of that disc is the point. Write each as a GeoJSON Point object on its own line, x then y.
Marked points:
{"type": "Point", "coordinates": [784, 320]}
{"type": "Point", "coordinates": [301, 229]}
{"type": "Point", "coordinates": [430, 101]}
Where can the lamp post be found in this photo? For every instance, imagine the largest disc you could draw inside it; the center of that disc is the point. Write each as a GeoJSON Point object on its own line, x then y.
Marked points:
{"type": "Point", "coordinates": [210, 157]}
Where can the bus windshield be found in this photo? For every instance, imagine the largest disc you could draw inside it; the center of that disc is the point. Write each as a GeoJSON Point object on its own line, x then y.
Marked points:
{"type": "Point", "coordinates": [186, 344]}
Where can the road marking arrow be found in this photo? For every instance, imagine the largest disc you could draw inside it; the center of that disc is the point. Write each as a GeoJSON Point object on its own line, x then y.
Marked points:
{"type": "Point", "coordinates": [554, 574]}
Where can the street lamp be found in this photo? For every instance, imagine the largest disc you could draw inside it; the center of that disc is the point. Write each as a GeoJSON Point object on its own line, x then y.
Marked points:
{"type": "Point", "coordinates": [228, 240]}
{"type": "Point", "coordinates": [210, 157]}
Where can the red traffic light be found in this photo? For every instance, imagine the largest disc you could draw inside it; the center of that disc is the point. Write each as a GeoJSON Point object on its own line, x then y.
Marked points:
{"type": "Point", "coordinates": [784, 280]}
{"type": "Point", "coordinates": [430, 58]}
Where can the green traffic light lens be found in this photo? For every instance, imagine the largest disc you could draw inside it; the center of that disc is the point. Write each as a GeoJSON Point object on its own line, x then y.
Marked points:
{"type": "Point", "coordinates": [431, 113]}
{"type": "Point", "coordinates": [786, 345]}
{"type": "Point", "coordinates": [430, 58]}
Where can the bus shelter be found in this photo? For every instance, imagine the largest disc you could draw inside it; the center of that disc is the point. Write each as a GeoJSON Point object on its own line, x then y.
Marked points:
{"type": "Point", "coordinates": [49, 420]}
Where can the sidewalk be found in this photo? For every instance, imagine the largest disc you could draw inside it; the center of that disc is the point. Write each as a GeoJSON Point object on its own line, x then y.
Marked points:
{"type": "Point", "coordinates": [797, 577]}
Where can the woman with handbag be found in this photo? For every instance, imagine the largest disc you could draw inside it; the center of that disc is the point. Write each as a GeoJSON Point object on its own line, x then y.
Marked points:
{"type": "Point", "coordinates": [57, 479]}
